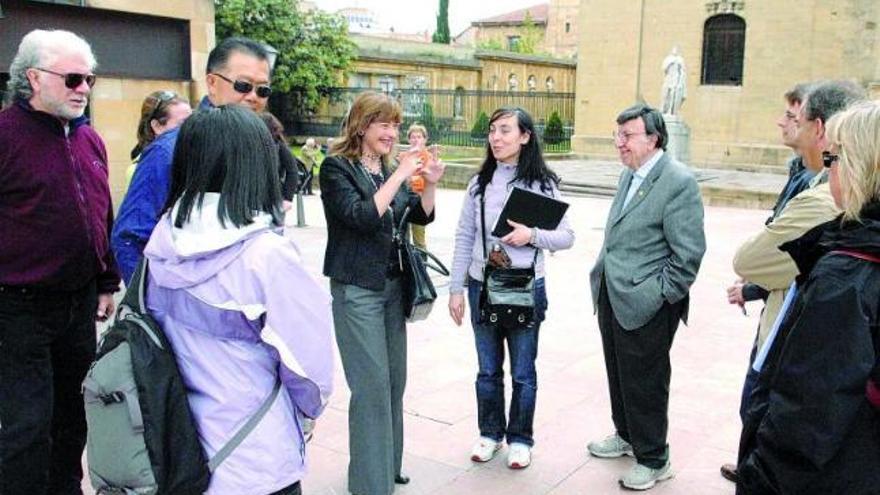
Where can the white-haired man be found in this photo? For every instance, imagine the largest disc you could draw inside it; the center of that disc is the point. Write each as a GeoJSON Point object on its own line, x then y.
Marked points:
{"type": "Point", "coordinates": [57, 274]}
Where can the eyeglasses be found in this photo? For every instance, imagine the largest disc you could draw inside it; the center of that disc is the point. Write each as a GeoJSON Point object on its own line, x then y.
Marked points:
{"type": "Point", "coordinates": [244, 87]}
{"type": "Point", "coordinates": [622, 137]}
{"type": "Point", "coordinates": [828, 159]}
{"type": "Point", "coordinates": [71, 80]}
{"type": "Point", "coordinates": [161, 99]}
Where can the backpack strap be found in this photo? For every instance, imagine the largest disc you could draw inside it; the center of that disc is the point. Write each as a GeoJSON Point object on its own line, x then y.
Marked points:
{"type": "Point", "coordinates": [857, 254]}
{"type": "Point", "coordinates": [134, 293]}
{"type": "Point", "coordinates": [245, 430]}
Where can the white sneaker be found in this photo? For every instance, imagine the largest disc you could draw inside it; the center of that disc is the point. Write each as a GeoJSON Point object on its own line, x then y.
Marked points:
{"type": "Point", "coordinates": [485, 449]}
{"type": "Point", "coordinates": [643, 478]}
{"type": "Point", "coordinates": [519, 456]}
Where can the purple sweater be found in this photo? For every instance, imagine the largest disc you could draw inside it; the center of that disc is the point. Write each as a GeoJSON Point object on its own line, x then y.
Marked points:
{"type": "Point", "coordinates": [468, 256]}
{"type": "Point", "coordinates": [55, 208]}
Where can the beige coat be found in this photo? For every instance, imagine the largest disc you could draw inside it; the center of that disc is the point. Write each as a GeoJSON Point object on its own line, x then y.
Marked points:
{"type": "Point", "coordinates": [759, 260]}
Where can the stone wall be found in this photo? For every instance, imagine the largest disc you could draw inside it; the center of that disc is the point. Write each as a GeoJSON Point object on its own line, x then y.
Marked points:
{"type": "Point", "coordinates": [787, 41]}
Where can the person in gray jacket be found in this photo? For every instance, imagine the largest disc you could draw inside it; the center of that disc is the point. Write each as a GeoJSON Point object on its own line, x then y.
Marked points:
{"type": "Point", "coordinates": [654, 243]}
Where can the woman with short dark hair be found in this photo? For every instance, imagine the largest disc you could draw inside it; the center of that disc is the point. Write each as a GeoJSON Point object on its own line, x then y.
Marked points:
{"type": "Point", "coordinates": [239, 308]}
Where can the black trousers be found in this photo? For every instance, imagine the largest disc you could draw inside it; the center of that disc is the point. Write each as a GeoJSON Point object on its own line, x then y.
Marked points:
{"type": "Point", "coordinates": [638, 368]}
{"type": "Point", "coordinates": [47, 342]}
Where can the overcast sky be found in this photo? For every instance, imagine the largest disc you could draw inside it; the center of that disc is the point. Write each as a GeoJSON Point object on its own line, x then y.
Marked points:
{"type": "Point", "coordinates": [410, 16]}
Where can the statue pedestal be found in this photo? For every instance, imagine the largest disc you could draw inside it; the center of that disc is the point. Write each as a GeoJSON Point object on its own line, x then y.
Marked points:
{"type": "Point", "coordinates": [679, 145]}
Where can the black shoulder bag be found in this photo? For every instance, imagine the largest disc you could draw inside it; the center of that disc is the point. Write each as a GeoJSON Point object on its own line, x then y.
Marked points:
{"type": "Point", "coordinates": [508, 296]}
{"type": "Point", "coordinates": [418, 290]}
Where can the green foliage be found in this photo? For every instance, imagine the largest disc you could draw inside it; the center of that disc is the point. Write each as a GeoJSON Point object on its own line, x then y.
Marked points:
{"type": "Point", "coordinates": [530, 36]}
{"type": "Point", "coordinates": [554, 132]}
{"type": "Point", "coordinates": [481, 126]}
{"type": "Point", "coordinates": [491, 44]}
{"type": "Point", "coordinates": [428, 120]}
{"type": "Point", "coordinates": [313, 48]}
{"type": "Point", "coordinates": [441, 35]}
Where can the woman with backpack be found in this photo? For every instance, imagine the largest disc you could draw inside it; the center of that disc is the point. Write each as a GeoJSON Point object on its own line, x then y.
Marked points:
{"type": "Point", "coordinates": [219, 285]}
{"type": "Point", "coordinates": [513, 159]}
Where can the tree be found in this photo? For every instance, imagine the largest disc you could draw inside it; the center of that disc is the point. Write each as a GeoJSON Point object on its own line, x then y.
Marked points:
{"type": "Point", "coordinates": [554, 133]}
{"type": "Point", "coordinates": [481, 126]}
{"type": "Point", "coordinates": [441, 35]}
{"type": "Point", "coordinates": [530, 36]}
{"type": "Point", "coordinates": [313, 47]}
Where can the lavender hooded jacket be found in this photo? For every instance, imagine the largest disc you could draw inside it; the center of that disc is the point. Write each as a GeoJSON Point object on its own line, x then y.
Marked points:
{"type": "Point", "coordinates": [240, 311]}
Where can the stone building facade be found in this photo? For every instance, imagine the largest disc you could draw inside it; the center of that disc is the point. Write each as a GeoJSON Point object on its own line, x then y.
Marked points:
{"type": "Point", "coordinates": [732, 118]}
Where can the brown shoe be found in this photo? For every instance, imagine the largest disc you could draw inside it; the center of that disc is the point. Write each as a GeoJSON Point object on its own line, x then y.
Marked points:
{"type": "Point", "coordinates": [728, 471]}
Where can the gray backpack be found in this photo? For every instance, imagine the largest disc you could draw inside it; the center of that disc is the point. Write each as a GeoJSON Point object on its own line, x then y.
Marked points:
{"type": "Point", "coordinates": [142, 438]}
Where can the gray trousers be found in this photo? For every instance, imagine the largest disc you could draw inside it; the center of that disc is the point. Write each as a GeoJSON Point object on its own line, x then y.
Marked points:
{"type": "Point", "coordinates": [371, 334]}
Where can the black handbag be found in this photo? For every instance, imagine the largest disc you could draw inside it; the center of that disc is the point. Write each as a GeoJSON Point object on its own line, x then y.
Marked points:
{"type": "Point", "coordinates": [508, 296]}
{"type": "Point", "coordinates": [418, 289]}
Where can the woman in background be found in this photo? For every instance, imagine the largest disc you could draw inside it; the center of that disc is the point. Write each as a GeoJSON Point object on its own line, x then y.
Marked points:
{"type": "Point", "coordinates": [161, 111]}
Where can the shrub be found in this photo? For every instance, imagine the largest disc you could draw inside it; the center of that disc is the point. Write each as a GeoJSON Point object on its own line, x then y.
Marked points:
{"type": "Point", "coordinates": [553, 132]}
{"type": "Point", "coordinates": [481, 126]}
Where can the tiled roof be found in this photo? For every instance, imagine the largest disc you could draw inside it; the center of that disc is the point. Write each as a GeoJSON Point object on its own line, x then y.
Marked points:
{"type": "Point", "coordinates": [538, 13]}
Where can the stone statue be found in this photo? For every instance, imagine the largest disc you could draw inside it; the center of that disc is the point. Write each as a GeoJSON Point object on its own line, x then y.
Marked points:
{"type": "Point", "coordinates": [674, 90]}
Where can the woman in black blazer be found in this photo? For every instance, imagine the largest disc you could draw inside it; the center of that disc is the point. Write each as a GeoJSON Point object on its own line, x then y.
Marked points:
{"type": "Point", "coordinates": [363, 203]}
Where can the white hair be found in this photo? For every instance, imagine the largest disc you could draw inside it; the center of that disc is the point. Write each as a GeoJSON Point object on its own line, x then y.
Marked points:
{"type": "Point", "coordinates": [41, 48]}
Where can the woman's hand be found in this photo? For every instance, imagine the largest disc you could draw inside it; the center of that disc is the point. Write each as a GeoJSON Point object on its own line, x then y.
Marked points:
{"type": "Point", "coordinates": [456, 308]}
{"type": "Point", "coordinates": [408, 164]}
{"type": "Point", "coordinates": [519, 236]}
{"type": "Point", "coordinates": [433, 170]}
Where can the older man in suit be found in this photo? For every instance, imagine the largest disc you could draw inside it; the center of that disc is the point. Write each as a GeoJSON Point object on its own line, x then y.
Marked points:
{"type": "Point", "coordinates": [653, 247]}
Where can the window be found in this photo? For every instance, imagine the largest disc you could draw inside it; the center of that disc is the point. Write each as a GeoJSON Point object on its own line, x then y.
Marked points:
{"type": "Point", "coordinates": [567, 27]}
{"type": "Point", "coordinates": [359, 80]}
{"type": "Point", "coordinates": [388, 83]}
{"type": "Point", "coordinates": [458, 103]}
{"type": "Point", "coordinates": [724, 41]}
{"type": "Point", "coordinates": [513, 43]}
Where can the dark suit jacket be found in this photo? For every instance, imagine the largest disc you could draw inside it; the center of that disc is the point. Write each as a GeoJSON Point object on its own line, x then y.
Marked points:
{"type": "Point", "coordinates": [653, 248]}
{"type": "Point", "coordinates": [358, 240]}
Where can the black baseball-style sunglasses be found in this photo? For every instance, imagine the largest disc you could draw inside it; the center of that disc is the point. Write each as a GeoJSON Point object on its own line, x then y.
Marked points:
{"type": "Point", "coordinates": [244, 87]}
{"type": "Point", "coordinates": [71, 80]}
{"type": "Point", "coordinates": [161, 99]}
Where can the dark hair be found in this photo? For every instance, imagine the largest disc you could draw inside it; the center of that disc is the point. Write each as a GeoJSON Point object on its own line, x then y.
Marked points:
{"type": "Point", "coordinates": [797, 93]}
{"type": "Point", "coordinates": [154, 107]}
{"type": "Point", "coordinates": [226, 149]}
{"type": "Point", "coordinates": [826, 98]}
{"type": "Point", "coordinates": [653, 119]}
{"type": "Point", "coordinates": [530, 167]}
{"type": "Point", "coordinates": [276, 128]}
{"type": "Point", "coordinates": [220, 54]}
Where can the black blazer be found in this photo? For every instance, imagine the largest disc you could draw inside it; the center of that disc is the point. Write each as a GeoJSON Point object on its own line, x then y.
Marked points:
{"type": "Point", "coordinates": [358, 240]}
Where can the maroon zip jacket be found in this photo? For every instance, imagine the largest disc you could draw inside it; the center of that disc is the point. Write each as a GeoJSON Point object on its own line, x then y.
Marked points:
{"type": "Point", "coordinates": [55, 207]}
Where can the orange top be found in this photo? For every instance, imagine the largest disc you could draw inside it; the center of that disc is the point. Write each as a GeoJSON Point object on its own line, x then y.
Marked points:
{"type": "Point", "coordinates": [417, 183]}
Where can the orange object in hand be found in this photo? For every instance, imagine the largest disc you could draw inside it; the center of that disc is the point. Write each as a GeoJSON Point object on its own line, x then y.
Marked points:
{"type": "Point", "coordinates": [417, 183]}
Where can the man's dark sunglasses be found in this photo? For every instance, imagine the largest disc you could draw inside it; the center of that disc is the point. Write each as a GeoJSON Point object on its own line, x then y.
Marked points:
{"type": "Point", "coordinates": [244, 87]}
{"type": "Point", "coordinates": [828, 159]}
{"type": "Point", "coordinates": [72, 80]}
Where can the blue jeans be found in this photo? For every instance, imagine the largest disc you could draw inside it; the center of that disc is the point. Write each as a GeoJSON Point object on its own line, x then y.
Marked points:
{"type": "Point", "coordinates": [523, 347]}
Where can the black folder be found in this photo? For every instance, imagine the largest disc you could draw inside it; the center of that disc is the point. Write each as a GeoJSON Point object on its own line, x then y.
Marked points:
{"type": "Point", "coordinates": [530, 209]}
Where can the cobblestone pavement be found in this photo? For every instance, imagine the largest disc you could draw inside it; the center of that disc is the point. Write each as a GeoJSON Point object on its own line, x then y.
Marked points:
{"type": "Point", "coordinates": [709, 360]}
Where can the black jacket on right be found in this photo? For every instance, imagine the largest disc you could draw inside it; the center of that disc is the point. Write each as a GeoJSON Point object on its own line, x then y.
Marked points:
{"type": "Point", "coordinates": [810, 428]}
{"type": "Point", "coordinates": [359, 242]}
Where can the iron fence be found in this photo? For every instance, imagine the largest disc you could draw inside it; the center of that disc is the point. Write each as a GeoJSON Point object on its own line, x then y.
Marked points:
{"type": "Point", "coordinates": [451, 116]}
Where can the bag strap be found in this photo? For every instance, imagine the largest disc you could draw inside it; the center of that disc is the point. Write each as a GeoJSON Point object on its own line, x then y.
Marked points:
{"type": "Point", "coordinates": [245, 430]}
{"type": "Point", "coordinates": [437, 265]}
{"type": "Point", "coordinates": [134, 293]}
{"type": "Point", "coordinates": [857, 254]}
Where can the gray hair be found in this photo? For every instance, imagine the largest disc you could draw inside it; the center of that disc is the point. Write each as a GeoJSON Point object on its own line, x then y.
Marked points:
{"type": "Point", "coordinates": [653, 119]}
{"type": "Point", "coordinates": [40, 48]}
{"type": "Point", "coordinates": [826, 98]}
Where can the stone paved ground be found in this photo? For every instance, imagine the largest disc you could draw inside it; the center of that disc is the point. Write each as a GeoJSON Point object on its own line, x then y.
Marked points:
{"type": "Point", "coordinates": [709, 359]}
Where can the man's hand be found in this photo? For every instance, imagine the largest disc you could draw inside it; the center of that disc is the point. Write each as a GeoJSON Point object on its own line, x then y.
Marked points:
{"type": "Point", "coordinates": [106, 306]}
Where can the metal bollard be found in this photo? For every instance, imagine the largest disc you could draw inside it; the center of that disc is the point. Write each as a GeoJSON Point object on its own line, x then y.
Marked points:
{"type": "Point", "coordinates": [300, 210]}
